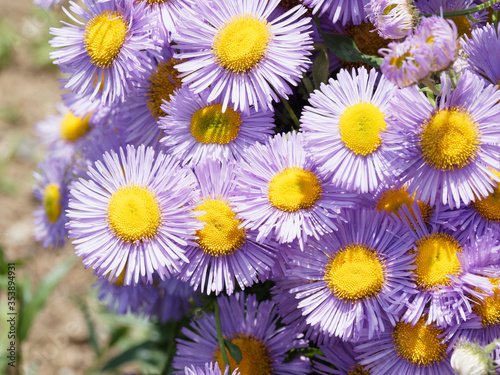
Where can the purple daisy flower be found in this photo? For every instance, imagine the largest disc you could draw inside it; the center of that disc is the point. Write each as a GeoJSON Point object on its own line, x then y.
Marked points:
{"type": "Point", "coordinates": [441, 36]}
{"type": "Point", "coordinates": [123, 299]}
{"type": "Point", "coordinates": [172, 300]}
{"type": "Point", "coordinates": [483, 52]}
{"type": "Point", "coordinates": [447, 152]}
{"type": "Point", "coordinates": [446, 273]}
{"type": "Point", "coordinates": [64, 134]}
{"type": "Point", "coordinates": [463, 23]}
{"type": "Point", "coordinates": [210, 369]}
{"type": "Point", "coordinates": [223, 251]}
{"type": "Point", "coordinates": [51, 190]}
{"type": "Point", "coordinates": [408, 349]}
{"type": "Point", "coordinates": [339, 359]}
{"type": "Point", "coordinates": [241, 55]}
{"type": "Point", "coordinates": [142, 111]}
{"type": "Point", "coordinates": [475, 219]}
{"type": "Point", "coordinates": [46, 4]}
{"type": "Point", "coordinates": [406, 63]}
{"type": "Point", "coordinates": [106, 50]}
{"type": "Point", "coordinates": [134, 212]}
{"type": "Point", "coordinates": [342, 129]}
{"type": "Point", "coordinates": [332, 296]}
{"type": "Point", "coordinates": [196, 129]}
{"type": "Point", "coordinates": [338, 10]}
{"type": "Point", "coordinates": [392, 18]}
{"type": "Point", "coordinates": [391, 198]}
{"type": "Point", "coordinates": [250, 325]}
{"type": "Point", "coordinates": [280, 190]}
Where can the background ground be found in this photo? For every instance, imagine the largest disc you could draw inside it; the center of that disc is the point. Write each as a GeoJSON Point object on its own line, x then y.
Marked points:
{"type": "Point", "coordinates": [58, 342]}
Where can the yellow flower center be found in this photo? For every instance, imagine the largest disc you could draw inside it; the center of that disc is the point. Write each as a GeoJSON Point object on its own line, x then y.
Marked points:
{"type": "Point", "coordinates": [420, 344]}
{"type": "Point", "coordinates": [73, 128]}
{"type": "Point", "coordinates": [450, 139]}
{"type": "Point", "coordinates": [133, 213]}
{"type": "Point", "coordinates": [240, 44]}
{"type": "Point", "coordinates": [161, 85]}
{"type": "Point", "coordinates": [52, 202]}
{"type": "Point", "coordinates": [436, 259]}
{"type": "Point", "coordinates": [489, 207]}
{"type": "Point", "coordinates": [463, 25]}
{"type": "Point", "coordinates": [211, 125]}
{"type": "Point", "coordinates": [360, 126]}
{"type": "Point", "coordinates": [221, 235]}
{"type": "Point", "coordinates": [398, 61]}
{"type": "Point", "coordinates": [104, 37]}
{"type": "Point", "coordinates": [294, 189]}
{"type": "Point", "coordinates": [355, 272]}
{"type": "Point", "coordinates": [121, 277]}
{"type": "Point", "coordinates": [489, 308]}
{"type": "Point", "coordinates": [392, 200]}
{"type": "Point", "coordinates": [255, 358]}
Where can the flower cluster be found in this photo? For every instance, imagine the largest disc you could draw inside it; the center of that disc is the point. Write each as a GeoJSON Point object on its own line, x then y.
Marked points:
{"type": "Point", "coordinates": [208, 148]}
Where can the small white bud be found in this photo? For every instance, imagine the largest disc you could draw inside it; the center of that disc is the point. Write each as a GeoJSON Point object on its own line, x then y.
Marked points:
{"type": "Point", "coordinates": [471, 359]}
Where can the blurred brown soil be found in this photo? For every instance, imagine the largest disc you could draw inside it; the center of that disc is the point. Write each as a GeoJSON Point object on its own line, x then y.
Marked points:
{"type": "Point", "coordinates": [56, 343]}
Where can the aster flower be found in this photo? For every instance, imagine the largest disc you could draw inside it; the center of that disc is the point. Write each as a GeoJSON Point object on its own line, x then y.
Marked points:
{"type": "Point", "coordinates": [167, 14]}
{"type": "Point", "coordinates": [477, 218]}
{"type": "Point", "coordinates": [280, 190]}
{"type": "Point", "coordinates": [107, 50]}
{"type": "Point", "coordinates": [441, 36]}
{"type": "Point", "coordinates": [196, 129]}
{"type": "Point", "coordinates": [464, 24]}
{"type": "Point", "coordinates": [447, 152]}
{"type": "Point", "coordinates": [51, 190]}
{"type": "Point", "coordinates": [133, 212]}
{"type": "Point", "coordinates": [342, 128]}
{"type": "Point", "coordinates": [469, 358]}
{"type": "Point", "coordinates": [46, 4]}
{"type": "Point", "coordinates": [64, 134]}
{"type": "Point", "coordinates": [446, 274]}
{"type": "Point", "coordinates": [141, 111]}
{"type": "Point", "coordinates": [172, 300]}
{"type": "Point", "coordinates": [391, 198]}
{"type": "Point", "coordinates": [410, 349]}
{"type": "Point", "coordinates": [210, 369]}
{"type": "Point", "coordinates": [406, 63]}
{"type": "Point", "coordinates": [250, 325]}
{"type": "Point", "coordinates": [332, 296]}
{"type": "Point", "coordinates": [223, 251]}
{"type": "Point", "coordinates": [483, 52]}
{"type": "Point", "coordinates": [392, 18]}
{"type": "Point", "coordinates": [123, 299]}
{"type": "Point", "coordinates": [338, 358]}
{"type": "Point", "coordinates": [338, 10]}
{"type": "Point", "coordinates": [245, 58]}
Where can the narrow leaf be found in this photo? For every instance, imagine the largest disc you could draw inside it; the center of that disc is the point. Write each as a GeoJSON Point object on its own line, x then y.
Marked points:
{"type": "Point", "coordinates": [234, 350]}
{"type": "Point", "coordinates": [141, 351]}
{"type": "Point", "coordinates": [345, 49]}
{"type": "Point", "coordinates": [31, 308]}
{"type": "Point", "coordinates": [321, 69]}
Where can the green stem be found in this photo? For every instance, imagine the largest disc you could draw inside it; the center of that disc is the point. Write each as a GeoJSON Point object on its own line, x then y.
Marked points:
{"type": "Point", "coordinates": [291, 112]}
{"type": "Point", "coordinates": [494, 18]}
{"type": "Point", "coordinates": [171, 350]}
{"type": "Point", "coordinates": [490, 347]}
{"type": "Point", "coordinates": [429, 84]}
{"type": "Point", "coordinates": [220, 338]}
{"type": "Point", "coordinates": [465, 12]}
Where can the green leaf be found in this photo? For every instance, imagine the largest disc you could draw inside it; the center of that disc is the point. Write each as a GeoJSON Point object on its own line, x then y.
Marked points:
{"type": "Point", "coordinates": [90, 326]}
{"type": "Point", "coordinates": [32, 307]}
{"type": "Point", "coordinates": [345, 49]}
{"type": "Point", "coordinates": [321, 69]}
{"type": "Point", "coordinates": [141, 352]}
{"type": "Point", "coordinates": [234, 350]}
{"type": "Point", "coordinates": [117, 334]}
